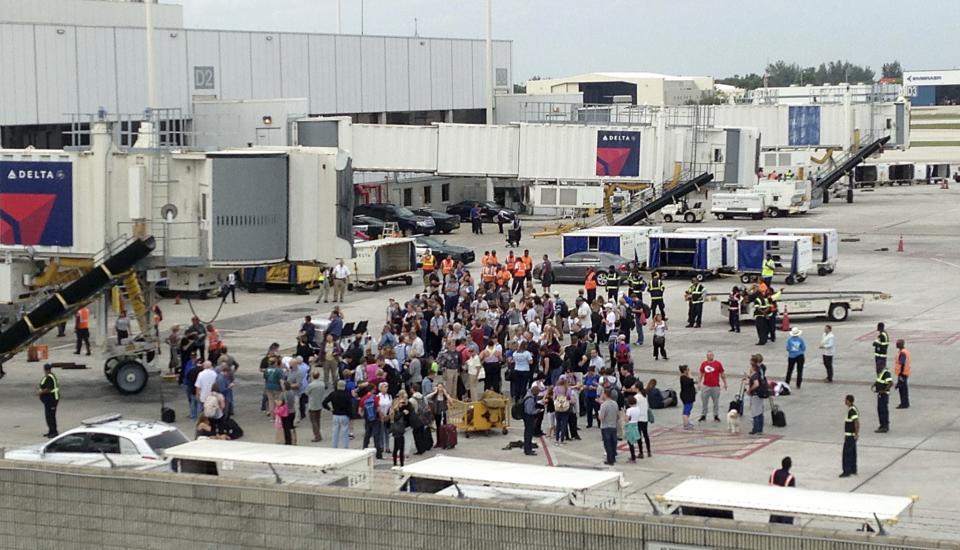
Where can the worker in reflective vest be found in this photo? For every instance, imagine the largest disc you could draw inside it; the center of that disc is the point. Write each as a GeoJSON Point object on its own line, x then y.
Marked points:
{"type": "Point", "coordinates": [488, 273]}
{"type": "Point", "coordinates": [428, 263]}
{"type": "Point", "coordinates": [590, 285]}
{"type": "Point", "coordinates": [882, 386]}
{"type": "Point", "coordinates": [511, 261]}
{"type": "Point", "coordinates": [446, 266]}
{"type": "Point", "coordinates": [772, 310]}
{"type": "Point", "coordinates": [637, 284]}
{"type": "Point", "coordinates": [492, 259]}
{"type": "Point", "coordinates": [766, 272]}
{"type": "Point", "coordinates": [851, 432]}
{"type": "Point", "coordinates": [903, 373]}
{"type": "Point", "coordinates": [880, 345]}
{"type": "Point", "coordinates": [783, 478]}
{"type": "Point", "coordinates": [49, 392]}
{"type": "Point", "coordinates": [503, 276]}
{"type": "Point", "coordinates": [694, 297]}
{"type": "Point", "coordinates": [613, 283]}
{"type": "Point", "coordinates": [519, 276]}
{"type": "Point", "coordinates": [527, 260]}
{"type": "Point", "coordinates": [81, 325]}
{"type": "Point", "coordinates": [733, 308]}
{"type": "Point", "coordinates": [760, 310]}
{"type": "Point", "coordinates": [656, 289]}
{"type": "Point", "coordinates": [323, 282]}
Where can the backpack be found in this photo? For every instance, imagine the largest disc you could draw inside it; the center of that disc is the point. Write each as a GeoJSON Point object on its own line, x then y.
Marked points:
{"type": "Point", "coordinates": [516, 411]}
{"type": "Point", "coordinates": [211, 406]}
{"type": "Point", "coordinates": [763, 389]}
{"type": "Point", "coordinates": [370, 409]}
{"type": "Point", "coordinates": [561, 403]}
{"type": "Point", "coordinates": [562, 310]}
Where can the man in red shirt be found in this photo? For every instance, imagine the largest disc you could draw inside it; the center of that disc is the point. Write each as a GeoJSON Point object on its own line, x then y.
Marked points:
{"type": "Point", "coordinates": [711, 374]}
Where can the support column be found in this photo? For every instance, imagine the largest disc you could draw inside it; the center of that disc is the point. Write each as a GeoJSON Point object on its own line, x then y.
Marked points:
{"type": "Point", "coordinates": [448, 116]}
{"type": "Point", "coordinates": [850, 187]}
{"type": "Point", "coordinates": [489, 187]}
{"type": "Point", "coordinates": [383, 117]}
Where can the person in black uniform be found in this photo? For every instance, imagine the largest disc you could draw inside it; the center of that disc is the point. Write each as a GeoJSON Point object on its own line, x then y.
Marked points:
{"type": "Point", "coordinates": [637, 284]}
{"type": "Point", "coordinates": [851, 432]}
{"type": "Point", "coordinates": [656, 289]}
{"type": "Point", "coordinates": [783, 478]}
{"type": "Point", "coordinates": [733, 306]}
{"type": "Point", "coordinates": [694, 303]}
{"type": "Point", "coordinates": [880, 346]}
{"type": "Point", "coordinates": [613, 283]}
{"type": "Point", "coordinates": [882, 386]}
{"type": "Point", "coordinates": [49, 392]}
{"type": "Point", "coordinates": [760, 311]}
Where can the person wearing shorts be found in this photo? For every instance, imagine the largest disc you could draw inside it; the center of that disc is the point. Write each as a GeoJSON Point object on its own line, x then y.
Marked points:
{"type": "Point", "coordinates": [688, 395]}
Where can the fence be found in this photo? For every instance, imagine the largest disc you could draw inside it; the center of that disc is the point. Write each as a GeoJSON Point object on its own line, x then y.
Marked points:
{"type": "Point", "coordinates": [64, 507]}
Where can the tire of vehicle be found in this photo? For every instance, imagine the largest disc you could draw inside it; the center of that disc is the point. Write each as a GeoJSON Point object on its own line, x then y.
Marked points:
{"type": "Point", "coordinates": [408, 280]}
{"type": "Point", "coordinates": [110, 368]}
{"type": "Point", "coordinates": [773, 212]}
{"type": "Point", "coordinates": [721, 216]}
{"type": "Point", "coordinates": [757, 216]}
{"type": "Point", "coordinates": [447, 231]}
{"type": "Point", "coordinates": [668, 218]}
{"type": "Point", "coordinates": [790, 280]}
{"type": "Point", "coordinates": [745, 279]}
{"type": "Point", "coordinates": [838, 312]}
{"type": "Point", "coordinates": [689, 217]}
{"type": "Point", "coordinates": [801, 278]}
{"type": "Point", "coordinates": [822, 271]}
{"type": "Point", "coordinates": [131, 377]}
{"type": "Point", "coordinates": [700, 276]}
{"type": "Point", "coordinates": [350, 287]}
{"type": "Point", "coordinates": [376, 286]}
{"type": "Point", "coordinates": [253, 288]}
{"type": "Point", "coordinates": [601, 278]}
{"type": "Point", "coordinates": [301, 289]}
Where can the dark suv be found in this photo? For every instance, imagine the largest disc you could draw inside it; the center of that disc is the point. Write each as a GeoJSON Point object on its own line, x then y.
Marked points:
{"type": "Point", "coordinates": [488, 210]}
{"type": "Point", "coordinates": [407, 222]}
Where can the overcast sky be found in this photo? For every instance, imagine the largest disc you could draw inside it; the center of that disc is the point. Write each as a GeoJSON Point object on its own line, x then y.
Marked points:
{"type": "Point", "coordinates": [692, 37]}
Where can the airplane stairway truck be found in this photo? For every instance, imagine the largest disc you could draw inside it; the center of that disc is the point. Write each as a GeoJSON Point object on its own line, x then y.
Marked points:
{"type": "Point", "coordinates": [668, 197]}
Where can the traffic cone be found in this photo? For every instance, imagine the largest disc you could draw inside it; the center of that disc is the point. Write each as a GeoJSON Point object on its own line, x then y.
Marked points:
{"type": "Point", "coordinates": [177, 301]}
{"type": "Point", "coordinates": [785, 320]}
{"type": "Point", "coordinates": [900, 244]}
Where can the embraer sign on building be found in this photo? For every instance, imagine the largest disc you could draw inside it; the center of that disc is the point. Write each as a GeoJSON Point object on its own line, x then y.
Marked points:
{"type": "Point", "coordinates": [932, 78]}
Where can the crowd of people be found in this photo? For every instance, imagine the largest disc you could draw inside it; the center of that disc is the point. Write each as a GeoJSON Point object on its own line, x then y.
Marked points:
{"type": "Point", "coordinates": [565, 367]}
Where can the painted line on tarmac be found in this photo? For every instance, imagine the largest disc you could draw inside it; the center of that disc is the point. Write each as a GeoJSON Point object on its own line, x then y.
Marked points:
{"type": "Point", "coordinates": [946, 262]}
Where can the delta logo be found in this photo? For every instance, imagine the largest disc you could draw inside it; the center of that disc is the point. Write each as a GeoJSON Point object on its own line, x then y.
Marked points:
{"type": "Point", "coordinates": [35, 175]}
{"type": "Point", "coordinates": [36, 203]}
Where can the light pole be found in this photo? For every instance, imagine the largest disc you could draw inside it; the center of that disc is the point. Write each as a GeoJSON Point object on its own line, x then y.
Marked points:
{"type": "Point", "coordinates": [339, 16]}
{"type": "Point", "coordinates": [489, 84]}
{"type": "Point", "coordinates": [151, 62]}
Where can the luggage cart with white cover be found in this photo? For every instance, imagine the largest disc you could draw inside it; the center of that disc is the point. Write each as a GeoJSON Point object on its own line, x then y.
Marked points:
{"type": "Point", "coordinates": [729, 235]}
{"type": "Point", "coordinates": [793, 257]}
{"type": "Point", "coordinates": [473, 478]}
{"type": "Point", "coordinates": [826, 244]}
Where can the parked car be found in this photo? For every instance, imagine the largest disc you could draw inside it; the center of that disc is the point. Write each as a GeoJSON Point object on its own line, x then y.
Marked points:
{"type": "Point", "coordinates": [370, 226]}
{"type": "Point", "coordinates": [441, 249]}
{"type": "Point", "coordinates": [407, 222]}
{"type": "Point", "coordinates": [445, 222]}
{"type": "Point", "coordinates": [488, 209]}
{"type": "Point", "coordinates": [105, 439]}
{"type": "Point", "coordinates": [573, 268]}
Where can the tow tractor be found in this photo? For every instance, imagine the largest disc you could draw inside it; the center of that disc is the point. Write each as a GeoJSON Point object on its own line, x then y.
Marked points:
{"type": "Point", "coordinates": [682, 211]}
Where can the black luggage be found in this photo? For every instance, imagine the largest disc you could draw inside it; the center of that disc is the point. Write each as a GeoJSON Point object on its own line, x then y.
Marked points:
{"type": "Point", "coordinates": [168, 415]}
{"type": "Point", "coordinates": [778, 417]}
{"type": "Point", "coordinates": [231, 429]}
{"type": "Point", "coordinates": [737, 404]}
{"type": "Point", "coordinates": [422, 440]}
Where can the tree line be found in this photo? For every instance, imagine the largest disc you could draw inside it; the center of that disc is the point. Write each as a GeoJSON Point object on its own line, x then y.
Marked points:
{"type": "Point", "coordinates": [782, 73]}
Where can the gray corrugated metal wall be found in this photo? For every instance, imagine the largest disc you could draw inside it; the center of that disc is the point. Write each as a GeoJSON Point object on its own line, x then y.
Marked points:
{"type": "Point", "coordinates": [50, 71]}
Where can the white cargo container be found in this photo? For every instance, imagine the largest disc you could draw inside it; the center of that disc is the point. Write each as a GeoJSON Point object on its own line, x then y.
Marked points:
{"type": "Point", "coordinates": [826, 245]}
{"type": "Point", "coordinates": [729, 236]}
{"type": "Point", "coordinates": [383, 260]}
{"type": "Point", "coordinates": [699, 253]}
{"type": "Point", "coordinates": [793, 256]}
{"type": "Point", "coordinates": [631, 241]}
{"type": "Point", "coordinates": [742, 204]}
{"type": "Point", "coordinates": [784, 198]}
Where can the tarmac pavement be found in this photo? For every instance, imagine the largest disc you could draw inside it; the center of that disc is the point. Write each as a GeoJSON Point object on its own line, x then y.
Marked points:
{"type": "Point", "coordinates": [920, 456]}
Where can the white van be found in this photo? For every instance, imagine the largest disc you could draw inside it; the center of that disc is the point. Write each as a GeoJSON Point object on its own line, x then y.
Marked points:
{"type": "Point", "coordinates": [730, 205]}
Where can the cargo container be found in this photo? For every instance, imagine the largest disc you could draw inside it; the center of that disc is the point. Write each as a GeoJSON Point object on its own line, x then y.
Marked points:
{"type": "Point", "coordinates": [729, 236]}
{"type": "Point", "coordinates": [301, 278]}
{"type": "Point", "coordinates": [631, 242]}
{"type": "Point", "coordinates": [699, 253]}
{"type": "Point", "coordinates": [793, 256]}
{"type": "Point", "coordinates": [743, 204]}
{"type": "Point", "coordinates": [383, 260]}
{"type": "Point", "coordinates": [826, 245]}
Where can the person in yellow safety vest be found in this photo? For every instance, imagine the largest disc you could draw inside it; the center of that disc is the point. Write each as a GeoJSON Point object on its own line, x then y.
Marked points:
{"type": "Point", "coordinates": [882, 386]}
{"type": "Point", "coordinates": [656, 289]}
{"type": "Point", "coordinates": [503, 276]}
{"type": "Point", "coordinates": [880, 345]}
{"type": "Point", "coordinates": [428, 263]}
{"type": "Point", "coordinates": [766, 272]}
{"type": "Point", "coordinates": [772, 298]}
{"type": "Point", "coordinates": [760, 310]}
{"type": "Point", "coordinates": [323, 281]}
{"type": "Point", "coordinates": [81, 325]}
{"type": "Point", "coordinates": [902, 368]}
{"type": "Point", "coordinates": [694, 303]}
{"type": "Point", "coordinates": [446, 265]}
{"type": "Point", "coordinates": [49, 392]}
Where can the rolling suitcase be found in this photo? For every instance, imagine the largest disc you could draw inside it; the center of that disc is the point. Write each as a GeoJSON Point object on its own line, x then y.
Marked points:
{"type": "Point", "coordinates": [778, 417]}
{"type": "Point", "coordinates": [423, 440]}
{"type": "Point", "coordinates": [447, 436]}
{"type": "Point", "coordinates": [737, 404]}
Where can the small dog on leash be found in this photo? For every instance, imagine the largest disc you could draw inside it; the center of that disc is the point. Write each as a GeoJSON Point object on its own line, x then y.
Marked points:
{"type": "Point", "coordinates": [733, 421]}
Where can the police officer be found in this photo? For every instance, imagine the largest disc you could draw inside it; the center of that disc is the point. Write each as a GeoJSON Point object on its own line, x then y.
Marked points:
{"type": "Point", "coordinates": [656, 289]}
{"type": "Point", "coordinates": [772, 298]}
{"type": "Point", "coordinates": [49, 392]}
{"type": "Point", "coordinates": [637, 284]}
{"type": "Point", "coordinates": [760, 310]}
{"type": "Point", "coordinates": [880, 345]}
{"type": "Point", "coordinates": [613, 283]}
{"type": "Point", "coordinates": [733, 307]}
{"type": "Point", "coordinates": [882, 386]}
{"type": "Point", "coordinates": [694, 303]}
{"type": "Point", "coordinates": [903, 373]}
{"type": "Point", "coordinates": [851, 432]}
{"type": "Point", "coordinates": [767, 270]}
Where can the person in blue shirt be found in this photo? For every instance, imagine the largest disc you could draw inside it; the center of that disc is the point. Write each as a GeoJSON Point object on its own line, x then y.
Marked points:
{"type": "Point", "coordinates": [796, 348]}
{"type": "Point", "coordinates": [591, 381]}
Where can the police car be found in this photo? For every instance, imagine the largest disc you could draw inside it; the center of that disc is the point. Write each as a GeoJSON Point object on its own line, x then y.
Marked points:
{"type": "Point", "coordinates": [107, 441]}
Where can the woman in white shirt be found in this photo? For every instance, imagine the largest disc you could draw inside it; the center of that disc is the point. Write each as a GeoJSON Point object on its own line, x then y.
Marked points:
{"type": "Point", "coordinates": [827, 343]}
{"type": "Point", "coordinates": [635, 424]}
